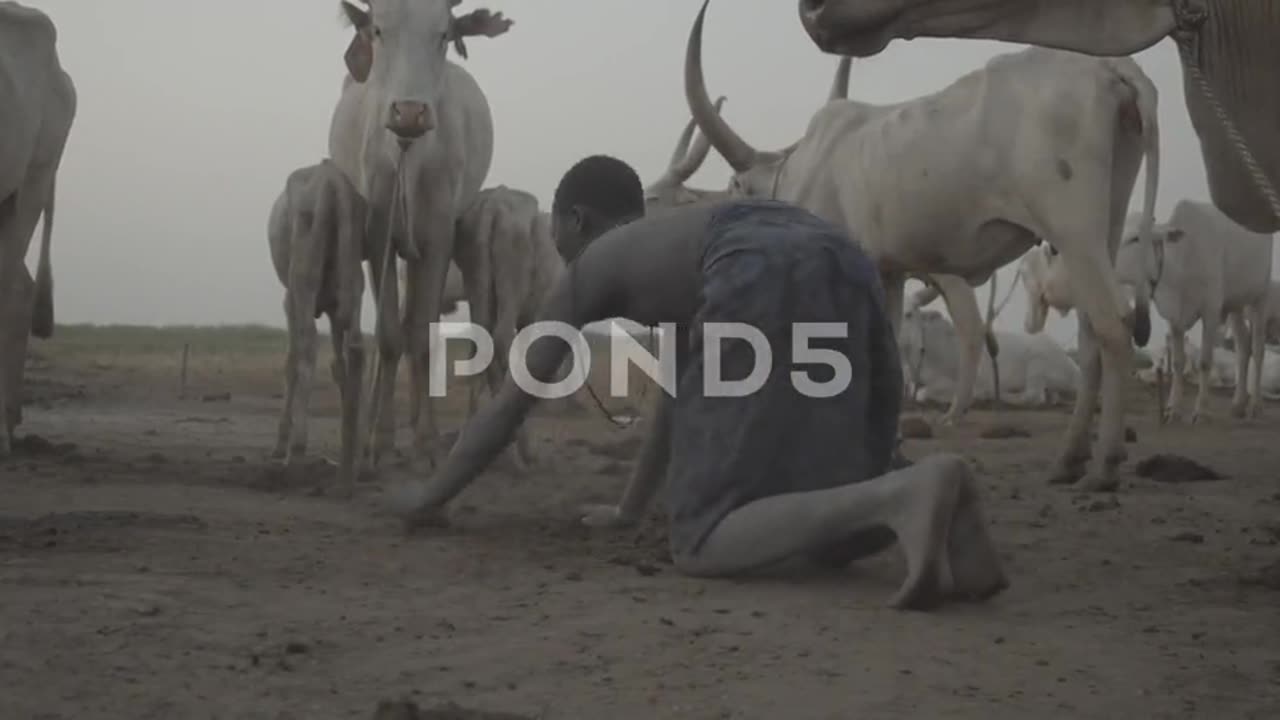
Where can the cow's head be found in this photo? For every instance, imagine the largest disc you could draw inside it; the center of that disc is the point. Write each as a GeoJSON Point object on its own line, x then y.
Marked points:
{"type": "Point", "coordinates": [399, 46]}
{"type": "Point", "coordinates": [1034, 271]}
{"type": "Point", "coordinates": [755, 171]}
{"type": "Point", "coordinates": [863, 28]}
{"type": "Point", "coordinates": [1140, 265]}
{"type": "Point", "coordinates": [670, 190]}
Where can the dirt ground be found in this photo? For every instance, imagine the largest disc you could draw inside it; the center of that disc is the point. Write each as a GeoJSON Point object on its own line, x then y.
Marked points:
{"type": "Point", "coordinates": [155, 564]}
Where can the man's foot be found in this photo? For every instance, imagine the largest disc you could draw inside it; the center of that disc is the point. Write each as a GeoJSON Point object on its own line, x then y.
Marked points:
{"type": "Point", "coordinates": [976, 571]}
{"type": "Point", "coordinates": [924, 529]}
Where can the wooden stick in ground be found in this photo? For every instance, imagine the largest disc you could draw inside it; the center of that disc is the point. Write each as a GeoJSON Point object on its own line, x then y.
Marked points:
{"type": "Point", "coordinates": [182, 372]}
{"type": "Point", "coordinates": [1160, 371]}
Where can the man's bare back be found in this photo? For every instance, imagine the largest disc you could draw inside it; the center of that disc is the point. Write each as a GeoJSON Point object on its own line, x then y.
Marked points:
{"type": "Point", "coordinates": [762, 478]}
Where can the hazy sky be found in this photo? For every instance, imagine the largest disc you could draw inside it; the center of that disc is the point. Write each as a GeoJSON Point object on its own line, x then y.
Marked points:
{"type": "Point", "coordinates": [191, 114]}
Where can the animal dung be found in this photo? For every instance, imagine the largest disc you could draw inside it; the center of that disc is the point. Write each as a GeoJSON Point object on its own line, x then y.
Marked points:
{"type": "Point", "coordinates": [1169, 468]}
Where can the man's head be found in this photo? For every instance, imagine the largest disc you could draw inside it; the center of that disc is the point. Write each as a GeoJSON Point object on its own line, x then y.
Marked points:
{"type": "Point", "coordinates": [596, 195]}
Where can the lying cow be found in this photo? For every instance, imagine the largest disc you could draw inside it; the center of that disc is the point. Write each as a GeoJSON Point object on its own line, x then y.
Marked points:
{"type": "Point", "coordinates": [1222, 375]}
{"type": "Point", "coordinates": [1034, 370]}
{"type": "Point", "coordinates": [1201, 266]}
{"type": "Point", "coordinates": [317, 237]}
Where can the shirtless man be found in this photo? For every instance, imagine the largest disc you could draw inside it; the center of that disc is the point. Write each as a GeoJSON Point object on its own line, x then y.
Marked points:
{"type": "Point", "coordinates": [761, 478]}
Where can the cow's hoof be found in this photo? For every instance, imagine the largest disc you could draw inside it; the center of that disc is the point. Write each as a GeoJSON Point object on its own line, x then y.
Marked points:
{"type": "Point", "coordinates": [278, 452]}
{"type": "Point", "coordinates": [1238, 410]}
{"type": "Point", "coordinates": [1200, 418]}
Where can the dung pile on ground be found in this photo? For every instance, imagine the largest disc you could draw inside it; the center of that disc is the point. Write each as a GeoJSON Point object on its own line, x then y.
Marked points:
{"type": "Point", "coordinates": [1170, 468]}
{"type": "Point", "coordinates": [1003, 431]}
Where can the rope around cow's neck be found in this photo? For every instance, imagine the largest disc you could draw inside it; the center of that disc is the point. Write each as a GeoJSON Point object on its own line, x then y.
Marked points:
{"type": "Point", "coordinates": [399, 202]}
{"type": "Point", "coordinates": [1190, 18]}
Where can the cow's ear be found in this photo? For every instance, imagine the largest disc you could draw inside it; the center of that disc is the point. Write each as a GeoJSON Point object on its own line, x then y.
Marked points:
{"type": "Point", "coordinates": [359, 56]}
{"type": "Point", "coordinates": [481, 22]}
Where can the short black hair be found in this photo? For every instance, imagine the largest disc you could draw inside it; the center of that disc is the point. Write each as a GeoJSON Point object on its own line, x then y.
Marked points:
{"type": "Point", "coordinates": [604, 184]}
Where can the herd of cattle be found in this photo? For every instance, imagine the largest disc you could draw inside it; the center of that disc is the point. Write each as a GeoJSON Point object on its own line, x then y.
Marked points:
{"type": "Point", "coordinates": [1031, 158]}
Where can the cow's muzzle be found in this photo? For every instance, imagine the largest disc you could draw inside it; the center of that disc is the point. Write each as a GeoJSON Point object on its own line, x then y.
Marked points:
{"type": "Point", "coordinates": [410, 119]}
{"type": "Point", "coordinates": [841, 28]}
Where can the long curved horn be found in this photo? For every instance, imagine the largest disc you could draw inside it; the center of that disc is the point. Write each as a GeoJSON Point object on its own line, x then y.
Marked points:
{"type": "Point", "coordinates": [682, 144]}
{"type": "Point", "coordinates": [840, 83]}
{"type": "Point", "coordinates": [735, 150]}
{"type": "Point", "coordinates": [683, 168]}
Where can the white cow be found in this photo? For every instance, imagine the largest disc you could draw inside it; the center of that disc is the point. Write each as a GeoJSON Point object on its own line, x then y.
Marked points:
{"type": "Point", "coordinates": [1048, 286]}
{"type": "Point", "coordinates": [1201, 266]}
{"type": "Point", "coordinates": [1033, 369]}
{"type": "Point", "coordinates": [1037, 144]}
{"type": "Point", "coordinates": [318, 247]}
{"type": "Point", "coordinates": [406, 107]}
{"type": "Point", "coordinates": [37, 109]}
{"type": "Point", "coordinates": [1230, 62]}
{"type": "Point", "coordinates": [959, 296]}
{"type": "Point", "coordinates": [509, 263]}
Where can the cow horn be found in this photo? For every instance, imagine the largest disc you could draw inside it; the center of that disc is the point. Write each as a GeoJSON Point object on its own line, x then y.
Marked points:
{"type": "Point", "coordinates": [682, 144]}
{"type": "Point", "coordinates": [735, 150]}
{"type": "Point", "coordinates": [840, 83]}
{"type": "Point", "coordinates": [683, 166]}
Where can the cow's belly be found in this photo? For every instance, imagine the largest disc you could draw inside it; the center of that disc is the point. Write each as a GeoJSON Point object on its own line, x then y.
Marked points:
{"type": "Point", "coordinates": [971, 254]}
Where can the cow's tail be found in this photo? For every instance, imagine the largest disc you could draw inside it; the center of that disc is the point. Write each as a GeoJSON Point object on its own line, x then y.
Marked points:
{"type": "Point", "coordinates": [42, 307]}
{"type": "Point", "coordinates": [1147, 101]}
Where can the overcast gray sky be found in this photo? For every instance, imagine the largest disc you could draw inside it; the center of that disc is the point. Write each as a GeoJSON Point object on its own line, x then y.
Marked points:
{"type": "Point", "coordinates": [191, 114]}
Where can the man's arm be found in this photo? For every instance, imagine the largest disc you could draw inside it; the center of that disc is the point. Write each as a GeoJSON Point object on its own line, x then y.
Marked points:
{"type": "Point", "coordinates": [493, 427]}
{"type": "Point", "coordinates": [650, 470]}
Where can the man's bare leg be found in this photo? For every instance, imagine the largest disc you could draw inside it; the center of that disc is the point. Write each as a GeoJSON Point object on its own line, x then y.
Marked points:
{"type": "Point", "coordinates": [971, 570]}
{"type": "Point", "coordinates": [917, 503]}
{"type": "Point", "coordinates": [973, 564]}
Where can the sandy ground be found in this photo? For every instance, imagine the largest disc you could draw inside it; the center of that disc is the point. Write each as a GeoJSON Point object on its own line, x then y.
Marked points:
{"type": "Point", "coordinates": [155, 564]}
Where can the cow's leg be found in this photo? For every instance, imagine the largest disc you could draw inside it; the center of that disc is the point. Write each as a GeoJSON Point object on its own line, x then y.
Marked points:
{"type": "Point", "coordinates": [1243, 342]}
{"type": "Point", "coordinates": [1210, 331]}
{"type": "Point", "coordinates": [390, 343]}
{"type": "Point", "coordinates": [426, 292]}
{"type": "Point", "coordinates": [1075, 455]}
{"type": "Point", "coordinates": [348, 371]}
{"type": "Point", "coordinates": [1176, 340]}
{"type": "Point", "coordinates": [10, 396]}
{"type": "Point", "coordinates": [284, 429]}
{"type": "Point", "coordinates": [1106, 352]}
{"type": "Point", "coordinates": [19, 215]}
{"type": "Point", "coordinates": [15, 332]}
{"type": "Point", "coordinates": [303, 357]}
{"type": "Point", "coordinates": [962, 304]}
{"type": "Point", "coordinates": [1258, 356]}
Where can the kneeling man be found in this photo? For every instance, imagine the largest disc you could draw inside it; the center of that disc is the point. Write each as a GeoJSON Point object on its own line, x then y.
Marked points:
{"type": "Point", "coordinates": [792, 469]}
